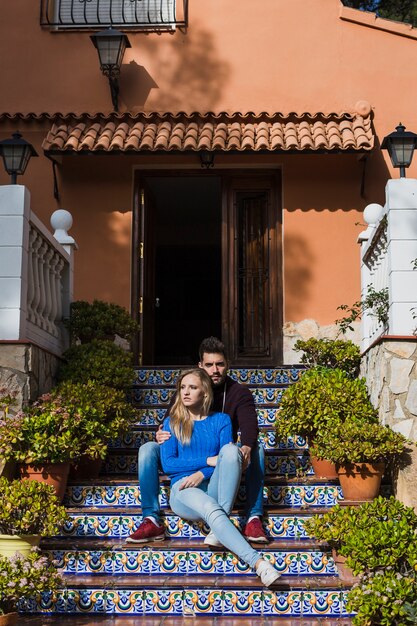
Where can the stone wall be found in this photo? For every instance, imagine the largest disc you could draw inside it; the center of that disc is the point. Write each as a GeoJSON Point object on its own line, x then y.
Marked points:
{"type": "Point", "coordinates": [390, 369]}
{"type": "Point", "coordinates": [27, 369]}
{"type": "Point", "coordinates": [293, 331]}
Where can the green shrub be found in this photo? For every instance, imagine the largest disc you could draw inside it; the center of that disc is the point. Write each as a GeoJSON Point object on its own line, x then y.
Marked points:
{"type": "Point", "coordinates": [384, 598]}
{"type": "Point", "coordinates": [321, 397]}
{"type": "Point", "coordinates": [100, 361]}
{"type": "Point", "coordinates": [99, 320]}
{"type": "Point", "coordinates": [73, 420]}
{"type": "Point", "coordinates": [358, 442]}
{"type": "Point", "coordinates": [331, 353]}
{"type": "Point", "coordinates": [30, 508]}
{"type": "Point", "coordinates": [22, 578]}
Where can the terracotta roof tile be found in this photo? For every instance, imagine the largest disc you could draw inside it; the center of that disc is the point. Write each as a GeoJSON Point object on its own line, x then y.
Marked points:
{"type": "Point", "coordinates": [226, 132]}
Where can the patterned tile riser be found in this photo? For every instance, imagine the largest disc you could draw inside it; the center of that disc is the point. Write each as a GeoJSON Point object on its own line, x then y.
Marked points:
{"type": "Point", "coordinates": [267, 438]}
{"type": "Point", "coordinates": [120, 526]}
{"type": "Point", "coordinates": [127, 496]}
{"type": "Point", "coordinates": [152, 416]}
{"type": "Point", "coordinates": [196, 601]}
{"type": "Point", "coordinates": [249, 376]}
{"type": "Point", "coordinates": [291, 465]}
{"type": "Point", "coordinates": [161, 397]}
{"type": "Point", "coordinates": [186, 562]}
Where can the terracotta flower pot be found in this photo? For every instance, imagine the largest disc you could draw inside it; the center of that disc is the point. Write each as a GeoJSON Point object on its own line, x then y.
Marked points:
{"type": "Point", "coordinates": [9, 619]}
{"type": "Point", "coordinates": [10, 544]}
{"type": "Point", "coordinates": [55, 474]}
{"type": "Point", "coordinates": [85, 468]}
{"type": "Point", "coordinates": [345, 572]}
{"type": "Point", "coordinates": [360, 481]}
{"type": "Point", "coordinates": [323, 468]}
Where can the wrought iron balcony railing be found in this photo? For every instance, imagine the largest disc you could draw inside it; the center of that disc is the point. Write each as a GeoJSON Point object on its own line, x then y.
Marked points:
{"type": "Point", "coordinates": [126, 14]}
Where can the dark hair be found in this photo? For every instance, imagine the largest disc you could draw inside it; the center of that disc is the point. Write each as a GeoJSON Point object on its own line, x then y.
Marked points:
{"type": "Point", "coordinates": [212, 345]}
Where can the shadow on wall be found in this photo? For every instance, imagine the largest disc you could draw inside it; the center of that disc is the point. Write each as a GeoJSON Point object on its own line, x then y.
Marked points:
{"type": "Point", "coordinates": [190, 74]}
{"type": "Point", "coordinates": [298, 276]}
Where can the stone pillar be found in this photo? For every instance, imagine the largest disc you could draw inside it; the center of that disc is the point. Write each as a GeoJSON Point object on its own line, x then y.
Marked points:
{"type": "Point", "coordinates": [14, 241]}
{"type": "Point", "coordinates": [401, 210]}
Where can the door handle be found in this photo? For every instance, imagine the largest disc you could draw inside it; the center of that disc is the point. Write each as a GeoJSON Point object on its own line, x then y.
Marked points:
{"type": "Point", "coordinates": [157, 303]}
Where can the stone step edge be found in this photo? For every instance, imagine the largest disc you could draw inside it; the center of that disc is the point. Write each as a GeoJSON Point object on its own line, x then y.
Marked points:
{"type": "Point", "coordinates": [131, 480]}
{"type": "Point", "coordinates": [144, 581]}
{"type": "Point", "coordinates": [57, 543]}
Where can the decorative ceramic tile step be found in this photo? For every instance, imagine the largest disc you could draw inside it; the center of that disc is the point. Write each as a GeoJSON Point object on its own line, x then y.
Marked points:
{"type": "Point", "coordinates": [114, 524]}
{"type": "Point", "coordinates": [160, 396]}
{"type": "Point", "coordinates": [259, 376]}
{"type": "Point", "coordinates": [154, 416]}
{"type": "Point", "coordinates": [267, 436]}
{"type": "Point", "coordinates": [183, 560]}
{"type": "Point", "coordinates": [119, 461]}
{"type": "Point", "coordinates": [179, 620]}
{"type": "Point", "coordinates": [120, 493]}
{"type": "Point", "coordinates": [188, 596]}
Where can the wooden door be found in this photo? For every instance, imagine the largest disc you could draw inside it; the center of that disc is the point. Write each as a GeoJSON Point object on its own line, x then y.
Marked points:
{"type": "Point", "coordinates": [143, 274]}
{"type": "Point", "coordinates": [252, 278]}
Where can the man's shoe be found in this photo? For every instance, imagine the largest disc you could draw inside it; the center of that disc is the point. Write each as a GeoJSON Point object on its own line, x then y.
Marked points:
{"type": "Point", "coordinates": [211, 540]}
{"type": "Point", "coordinates": [147, 531]}
{"type": "Point", "coordinates": [253, 531]}
{"type": "Point", "coordinates": [267, 573]}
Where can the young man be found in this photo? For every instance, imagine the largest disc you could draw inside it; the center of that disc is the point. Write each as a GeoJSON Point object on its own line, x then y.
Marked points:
{"type": "Point", "coordinates": [237, 401]}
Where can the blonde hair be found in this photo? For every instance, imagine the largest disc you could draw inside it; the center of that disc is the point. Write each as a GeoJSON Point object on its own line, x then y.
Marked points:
{"type": "Point", "coordinates": [180, 420]}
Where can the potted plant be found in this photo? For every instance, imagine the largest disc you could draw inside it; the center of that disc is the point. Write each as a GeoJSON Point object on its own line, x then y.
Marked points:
{"type": "Point", "coordinates": [99, 320]}
{"type": "Point", "coordinates": [360, 450]}
{"type": "Point", "coordinates": [72, 421]}
{"type": "Point", "coordinates": [23, 578]}
{"type": "Point", "coordinates": [322, 397]}
{"type": "Point", "coordinates": [30, 510]}
{"type": "Point", "coordinates": [331, 353]}
{"type": "Point", "coordinates": [375, 535]}
{"type": "Point", "coordinates": [105, 415]}
{"type": "Point", "coordinates": [101, 361]}
{"type": "Point", "coordinates": [384, 597]}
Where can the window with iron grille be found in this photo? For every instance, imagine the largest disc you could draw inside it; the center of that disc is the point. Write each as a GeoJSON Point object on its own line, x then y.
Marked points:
{"type": "Point", "coordinates": [132, 14]}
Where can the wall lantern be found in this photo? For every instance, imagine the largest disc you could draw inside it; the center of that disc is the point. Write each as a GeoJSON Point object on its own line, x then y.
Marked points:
{"type": "Point", "coordinates": [207, 158]}
{"type": "Point", "coordinates": [400, 145]}
{"type": "Point", "coordinates": [111, 45]}
{"type": "Point", "coordinates": [16, 153]}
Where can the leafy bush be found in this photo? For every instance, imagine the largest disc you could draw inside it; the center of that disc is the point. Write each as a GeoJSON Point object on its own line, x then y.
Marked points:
{"type": "Point", "coordinates": [374, 535]}
{"type": "Point", "coordinates": [30, 508]}
{"type": "Point", "coordinates": [384, 598]}
{"type": "Point", "coordinates": [22, 578]}
{"type": "Point", "coordinates": [331, 353]}
{"type": "Point", "coordinates": [358, 442]}
{"type": "Point", "coordinates": [321, 397]}
{"type": "Point", "coordinates": [99, 320]}
{"type": "Point", "coordinates": [101, 361]}
{"type": "Point", "coordinates": [72, 421]}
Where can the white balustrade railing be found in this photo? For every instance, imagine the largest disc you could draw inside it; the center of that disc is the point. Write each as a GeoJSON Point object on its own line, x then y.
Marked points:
{"type": "Point", "coordinates": [36, 276]}
{"type": "Point", "coordinates": [388, 249]}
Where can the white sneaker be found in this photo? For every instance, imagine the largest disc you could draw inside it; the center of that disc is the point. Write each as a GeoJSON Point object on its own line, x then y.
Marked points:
{"type": "Point", "coordinates": [211, 540]}
{"type": "Point", "coordinates": [267, 573]}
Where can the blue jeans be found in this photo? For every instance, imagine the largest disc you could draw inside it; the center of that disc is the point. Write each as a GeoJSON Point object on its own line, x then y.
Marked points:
{"type": "Point", "coordinates": [149, 462]}
{"type": "Point", "coordinates": [213, 500]}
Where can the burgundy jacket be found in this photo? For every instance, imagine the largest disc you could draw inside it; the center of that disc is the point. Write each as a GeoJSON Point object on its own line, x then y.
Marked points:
{"type": "Point", "coordinates": [239, 405]}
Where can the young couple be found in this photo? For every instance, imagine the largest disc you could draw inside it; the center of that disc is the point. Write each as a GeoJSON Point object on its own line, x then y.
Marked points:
{"type": "Point", "coordinates": [197, 452]}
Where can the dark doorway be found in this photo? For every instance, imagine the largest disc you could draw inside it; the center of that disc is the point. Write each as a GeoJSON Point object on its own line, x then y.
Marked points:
{"type": "Point", "coordinates": [186, 233]}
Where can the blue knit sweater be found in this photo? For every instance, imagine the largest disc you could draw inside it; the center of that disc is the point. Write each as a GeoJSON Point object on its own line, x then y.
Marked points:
{"type": "Point", "coordinates": [209, 435]}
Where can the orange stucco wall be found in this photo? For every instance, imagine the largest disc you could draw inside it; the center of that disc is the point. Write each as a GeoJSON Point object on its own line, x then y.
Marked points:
{"type": "Point", "coordinates": [235, 56]}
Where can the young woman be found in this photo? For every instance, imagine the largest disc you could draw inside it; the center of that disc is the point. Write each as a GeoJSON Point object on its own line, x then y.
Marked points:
{"type": "Point", "coordinates": [205, 468]}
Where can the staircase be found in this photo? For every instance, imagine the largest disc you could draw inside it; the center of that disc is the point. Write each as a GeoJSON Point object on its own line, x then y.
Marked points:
{"type": "Point", "coordinates": [180, 576]}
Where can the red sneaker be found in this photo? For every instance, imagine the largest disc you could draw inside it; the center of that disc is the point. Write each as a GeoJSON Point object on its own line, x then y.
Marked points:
{"type": "Point", "coordinates": [253, 531]}
{"type": "Point", "coordinates": [147, 531]}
